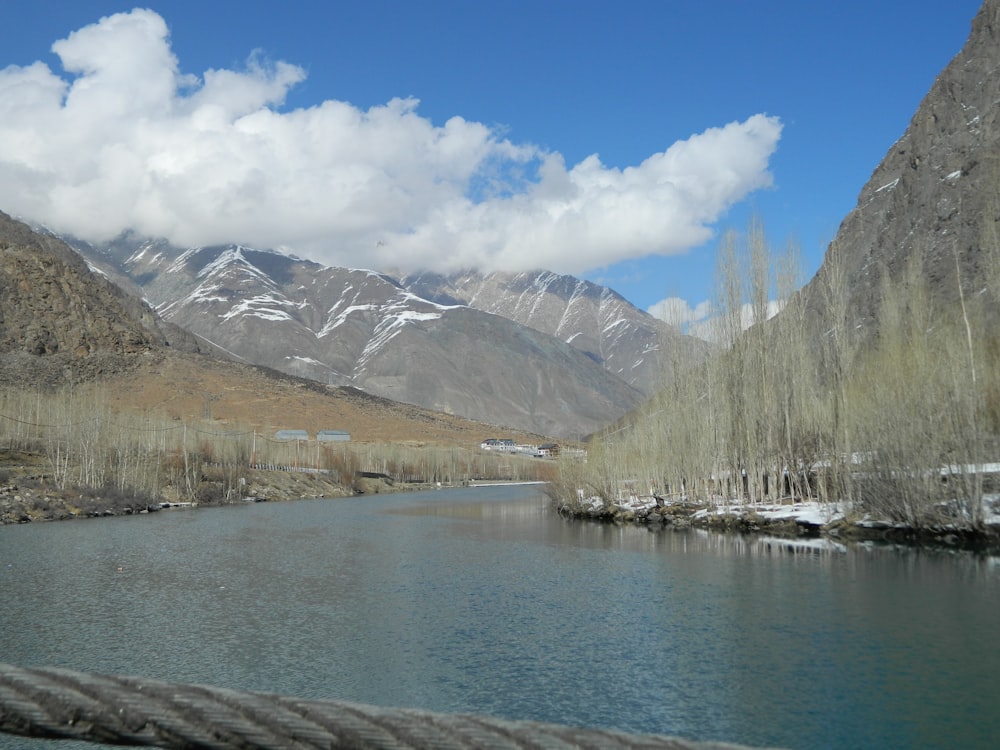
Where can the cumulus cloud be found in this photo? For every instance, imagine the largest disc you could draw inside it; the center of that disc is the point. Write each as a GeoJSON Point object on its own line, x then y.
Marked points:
{"type": "Point", "coordinates": [121, 139]}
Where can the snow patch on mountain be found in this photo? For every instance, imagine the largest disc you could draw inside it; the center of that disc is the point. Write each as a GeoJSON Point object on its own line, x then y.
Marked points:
{"type": "Point", "coordinates": [388, 328]}
{"type": "Point", "coordinates": [263, 307]}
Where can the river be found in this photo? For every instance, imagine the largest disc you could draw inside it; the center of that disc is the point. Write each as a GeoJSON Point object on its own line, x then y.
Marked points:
{"type": "Point", "coordinates": [485, 601]}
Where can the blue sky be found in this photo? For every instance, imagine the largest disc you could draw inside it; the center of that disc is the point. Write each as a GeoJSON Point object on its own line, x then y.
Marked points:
{"type": "Point", "coordinates": [613, 140]}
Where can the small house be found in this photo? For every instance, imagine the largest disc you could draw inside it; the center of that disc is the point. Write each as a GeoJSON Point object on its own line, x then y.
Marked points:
{"type": "Point", "coordinates": [291, 435]}
{"type": "Point", "coordinates": [333, 436]}
{"type": "Point", "coordinates": [505, 445]}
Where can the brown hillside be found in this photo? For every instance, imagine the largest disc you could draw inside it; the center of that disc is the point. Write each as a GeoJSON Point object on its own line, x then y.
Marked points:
{"type": "Point", "coordinates": [191, 386]}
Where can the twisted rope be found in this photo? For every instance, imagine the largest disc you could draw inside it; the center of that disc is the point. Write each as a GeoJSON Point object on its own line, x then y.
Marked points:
{"type": "Point", "coordinates": [63, 704]}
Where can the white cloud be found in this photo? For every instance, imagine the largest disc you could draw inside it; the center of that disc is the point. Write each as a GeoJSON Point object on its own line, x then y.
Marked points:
{"type": "Point", "coordinates": [679, 312]}
{"type": "Point", "coordinates": [701, 320]}
{"type": "Point", "coordinates": [124, 140]}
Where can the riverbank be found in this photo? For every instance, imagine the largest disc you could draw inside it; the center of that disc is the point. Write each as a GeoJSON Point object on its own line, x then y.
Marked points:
{"type": "Point", "coordinates": [31, 497]}
{"type": "Point", "coordinates": [28, 492]}
{"type": "Point", "coordinates": [49, 483]}
{"type": "Point", "coordinates": [803, 520]}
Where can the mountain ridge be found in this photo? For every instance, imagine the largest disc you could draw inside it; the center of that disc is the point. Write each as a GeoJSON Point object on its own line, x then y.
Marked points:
{"type": "Point", "coordinates": [595, 319]}
{"type": "Point", "coordinates": [406, 339]}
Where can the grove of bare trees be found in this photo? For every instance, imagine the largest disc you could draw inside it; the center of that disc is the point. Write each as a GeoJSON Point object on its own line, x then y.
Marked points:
{"type": "Point", "coordinates": [896, 417]}
{"type": "Point", "coordinates": [87, 445]}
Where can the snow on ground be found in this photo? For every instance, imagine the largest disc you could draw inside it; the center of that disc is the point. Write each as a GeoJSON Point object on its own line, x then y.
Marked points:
{"type": "Point", "coordinates": [991, 509]}
{"type": "Point", "coordinates": [812, 513]}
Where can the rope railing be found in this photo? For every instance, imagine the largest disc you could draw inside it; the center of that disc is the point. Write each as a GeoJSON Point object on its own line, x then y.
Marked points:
{"type": "Point", "coordinates": [57, 703]}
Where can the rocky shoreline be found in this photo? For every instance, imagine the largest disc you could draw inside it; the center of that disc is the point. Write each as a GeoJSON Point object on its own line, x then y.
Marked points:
{"type": "Point", "coordinates": [785, 523]}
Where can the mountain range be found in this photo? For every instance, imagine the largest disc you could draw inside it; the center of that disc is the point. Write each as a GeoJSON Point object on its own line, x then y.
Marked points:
{"type": "Point", "coordinates": [539, 352]}
{"type": "Point", "coordinates": [64, 325]}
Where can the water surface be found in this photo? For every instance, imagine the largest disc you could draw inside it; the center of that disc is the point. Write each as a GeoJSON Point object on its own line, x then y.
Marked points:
{"type": "Point", "coordinates": [484, 601]}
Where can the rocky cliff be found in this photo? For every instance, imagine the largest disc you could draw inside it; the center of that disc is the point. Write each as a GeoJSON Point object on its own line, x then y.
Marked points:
{"type": "Point", "coordinates": [936, 194]}
{"type": "Point", "coordinates": [60, 321]}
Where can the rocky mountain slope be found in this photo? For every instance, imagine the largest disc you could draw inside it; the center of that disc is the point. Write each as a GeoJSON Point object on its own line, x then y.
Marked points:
{"type": "Point", "coordinates": [361, 328]}
{"type": "Point", "coordinates": [936, 194]}
{"type": "Point", "coordinates": [61, 322]}
{"type": "Point", "coordinates": [598, 321]}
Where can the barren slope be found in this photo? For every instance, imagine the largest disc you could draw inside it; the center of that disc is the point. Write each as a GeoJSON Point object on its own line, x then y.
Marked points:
{"type": "Point", "coordinates": [188, 386]}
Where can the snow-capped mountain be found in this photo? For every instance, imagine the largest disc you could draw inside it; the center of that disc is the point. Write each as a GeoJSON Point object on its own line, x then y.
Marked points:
{"type": "Point", "coordinates": [598, 321]}
{"type": "Point", "coordinates": [362, 328]}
